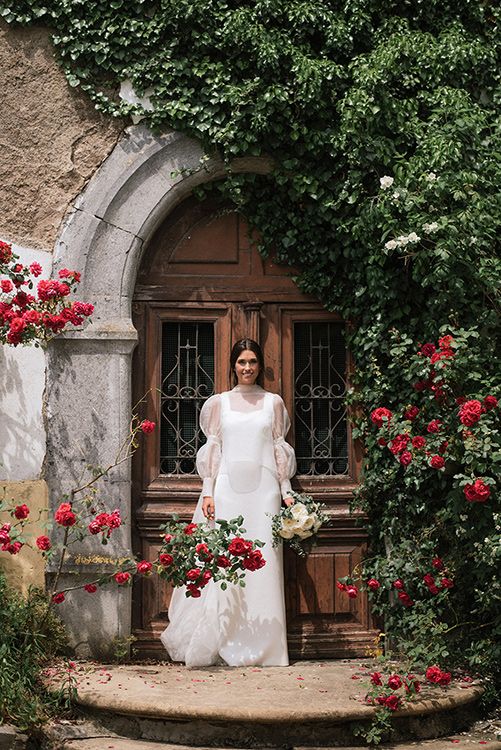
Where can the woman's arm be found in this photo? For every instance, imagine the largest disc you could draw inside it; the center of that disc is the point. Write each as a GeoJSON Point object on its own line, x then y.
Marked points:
{"type": "Point", "coordinates": [285, 457]}
{"type": "Point", "coordinates": [209, 455]}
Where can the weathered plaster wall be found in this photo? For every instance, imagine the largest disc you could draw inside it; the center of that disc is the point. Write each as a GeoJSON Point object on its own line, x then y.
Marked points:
{"type": "Point", "coordinates": [27, 568]}
{"type": "Point", "coordinates": [51, 138]}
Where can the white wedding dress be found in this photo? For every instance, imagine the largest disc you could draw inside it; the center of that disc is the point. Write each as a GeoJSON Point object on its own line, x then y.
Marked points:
{"type": "Point", "coordinates": [246, 466]}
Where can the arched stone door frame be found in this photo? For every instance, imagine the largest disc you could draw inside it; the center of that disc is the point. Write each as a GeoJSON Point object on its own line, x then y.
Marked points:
{"type": "Point", "coordinates": [88, 395]}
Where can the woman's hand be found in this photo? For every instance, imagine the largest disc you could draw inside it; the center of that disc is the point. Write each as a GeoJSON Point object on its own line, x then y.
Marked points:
{"type": "Point", "coordinates": [288, 501]}
{"type": "Point", "coordinates": [208, 508]}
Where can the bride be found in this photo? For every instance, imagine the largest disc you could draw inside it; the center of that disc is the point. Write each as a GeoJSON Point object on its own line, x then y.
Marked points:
{"type": "Point", "coordinates": [246, 467]}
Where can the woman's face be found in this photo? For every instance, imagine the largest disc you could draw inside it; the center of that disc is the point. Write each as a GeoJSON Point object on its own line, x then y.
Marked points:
{"type": "Point", "coordinates": [247, 368]}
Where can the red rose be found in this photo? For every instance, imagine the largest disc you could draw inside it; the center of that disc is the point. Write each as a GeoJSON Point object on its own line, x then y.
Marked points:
{"type": "Point", "coordinates": [12, 548]}
{"type": "Point", "coordinates": [444, 679]}
{"type": "Point", "coordinates": [144, 567]}
{"type": "Point", "coordinates": [381, 415]}
{"type": "Point", "coordinates": [254, 561]}
{"type": "Point", "coordinates": [341, 586]}
{"type": "Point", "coordinates": [490, 402]}
{"type": "Point", "coordinates": [4, 536]}
{"type": "Point", "coordinates": [205, 577]}
{"type": "Point", "coordinates": [194, 590]}
{"type": "Point", "coordinates": [43, 543]}
{"type": "Point", "coordinates": [91, 588]}
{"type": "Point", "coordinates": [121, 578]}
{"type": "Point", "coordinates": [165, 559]}
{"type": "Point", "coordinates": [381, 441]}
{"type": "Point", "coordinates": [376, 678]}
{"type": "Point", "coordinates": [64, 515]}
{"type": "Point", "coordinates": [398, 444]}
{"type": "Point", "coordinates": [434, 425]}
{"type": "Point", "coordinates": [352, 591]}
{"type": "Point", "coordinates": [390, 701]}
{"type": "Point", "coordinates": [394, 682]}
{"type": "Point", "coordinates": [429, 579]}
{"type": "Point", "coordinates": [445, 342]}
{"type": "Point", "coordinates": [447, 583]}
{"type": "Point", "coordinates": [444, 354]}
{"type": "Point", "coordinates": [190, 528]}
{"type": "Point", "coordinates": [420, 385]}
{"type": "Point", "coordinates": [406, 458]}
{"type": "Point", "coordinates": [203, 552]}
{"type": "Point", "coordinates": [418, 442]}
{"type": "Point", "coordinates": [478, 492]}
{"type": "Point", "coordinates": [36, 269]}
{"type": "Point", "coordinates": [433, 674]}
{"type": "Point", "coordinates": [31, 316]}
{"type": "Point", "coordinates": [146, 426]}
{"type": "Point", "coordinates": [437, 563]}
{"type": "Point", "coordinates": [398, 584]}
{"type": "Point", "coordinates": [239, 546]}
{"type": "Point", "coordinates": [94, 527]}
{"type": "Point", "coordinates": [411, 413]}
{"type": "Point", "coordinates": [470, 412]}
{"type": "Point", "coordinates": [373, 584]}
{"type": "Point", "coordinates": [193, 574]}
{"type": "Point", "coordinates": [405, 599]}
{"type": "Point", "coordinates": [58, 598]}
{"type": "Point", "coordinates": [21, 512]}
{"type": "Point", "coordinates": [222, 561]}
{"type": "Point", "coordinates": [437, 462]}
{"type": "Point", "coordinates": [6, 285]}
{"type": "Point", "coordinates": [167, 538]}
{"type": "Point", "coordinates": [427, 350]}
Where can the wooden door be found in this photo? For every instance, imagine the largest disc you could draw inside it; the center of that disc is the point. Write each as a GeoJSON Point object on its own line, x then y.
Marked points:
{"type": "Point", "coordinates": [202, 285]}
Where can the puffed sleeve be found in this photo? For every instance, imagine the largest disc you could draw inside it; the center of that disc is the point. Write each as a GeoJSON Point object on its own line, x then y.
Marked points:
{"type": "Point", "coordinates": [209, 455]}
{"type": "Point", "coordinates": [284, 453]}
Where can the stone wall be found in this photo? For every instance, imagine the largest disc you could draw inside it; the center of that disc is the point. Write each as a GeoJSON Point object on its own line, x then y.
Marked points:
{"type": "Point", "coordinates": [51, 138]}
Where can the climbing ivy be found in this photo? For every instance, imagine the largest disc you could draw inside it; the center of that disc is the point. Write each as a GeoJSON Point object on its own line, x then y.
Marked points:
{"type": "Point", "coordinates": [382, 121]}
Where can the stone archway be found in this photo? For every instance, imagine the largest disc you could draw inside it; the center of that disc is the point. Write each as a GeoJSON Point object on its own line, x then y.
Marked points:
{"type": "Point", "coordinates": [88, 392]}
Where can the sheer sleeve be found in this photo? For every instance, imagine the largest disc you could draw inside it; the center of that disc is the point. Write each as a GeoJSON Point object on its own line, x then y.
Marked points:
{"type": "Point", "coordinates": [209, 455]}
{"type": "Point", "coordinates": [284, 453]}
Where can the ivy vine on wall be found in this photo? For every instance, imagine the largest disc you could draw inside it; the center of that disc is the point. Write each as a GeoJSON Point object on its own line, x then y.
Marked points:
{"type": "Point", "coordinates": [382, 119]}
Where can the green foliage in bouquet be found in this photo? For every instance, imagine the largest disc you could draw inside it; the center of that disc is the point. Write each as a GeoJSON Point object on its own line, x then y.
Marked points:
{"type": "Point", "coordinates": [193, 554]}
{"type": "Point", "coordinates": [298, 524]}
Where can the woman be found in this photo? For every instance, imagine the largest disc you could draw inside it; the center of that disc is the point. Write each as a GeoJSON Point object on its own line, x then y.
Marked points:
{"type": "Point", "coordinates": [246, 467]}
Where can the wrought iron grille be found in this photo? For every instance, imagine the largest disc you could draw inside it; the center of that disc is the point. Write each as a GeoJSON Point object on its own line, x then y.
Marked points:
{"type": "Point", "coordinates": [321, 438]}
{"type": "Point", "coordinates": [187, 381]}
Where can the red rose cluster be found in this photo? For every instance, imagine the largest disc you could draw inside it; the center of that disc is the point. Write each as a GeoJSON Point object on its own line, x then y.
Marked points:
{"type": "Point", "coordinates": [7, 544]}
{"type": "Point", "coordinates": [24, 317]}
{"type": "Point", "coordinates": [105, 523]}
{"type": "Point", "coordinates": [348, 588]}
{"type": "Point", "coordinates": [437, 677]}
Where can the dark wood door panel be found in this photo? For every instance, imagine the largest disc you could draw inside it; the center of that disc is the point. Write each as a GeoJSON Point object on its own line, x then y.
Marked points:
{"type": "Point", "coordinates": [201, 267]}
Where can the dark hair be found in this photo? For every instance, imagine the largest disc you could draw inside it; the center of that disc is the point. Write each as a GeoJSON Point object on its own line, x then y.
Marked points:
{"type": "Point", "coordinates": [238, 348]}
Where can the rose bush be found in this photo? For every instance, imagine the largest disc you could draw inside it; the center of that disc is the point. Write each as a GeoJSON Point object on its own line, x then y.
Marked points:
{"type": "Point", "coordinates": [430, 490]}
{"type": "Point", "coordinates": [27, 317]}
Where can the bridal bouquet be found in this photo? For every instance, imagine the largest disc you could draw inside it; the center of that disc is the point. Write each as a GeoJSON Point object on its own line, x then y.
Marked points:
{"type": "Point", "coordinates": [298, 524]}
{"type": "Point", "coordinates": [193, 554]}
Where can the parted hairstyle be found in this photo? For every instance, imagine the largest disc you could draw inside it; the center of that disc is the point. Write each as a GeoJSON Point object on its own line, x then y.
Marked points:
{"type": "Point", "coordinates": [239, 347]}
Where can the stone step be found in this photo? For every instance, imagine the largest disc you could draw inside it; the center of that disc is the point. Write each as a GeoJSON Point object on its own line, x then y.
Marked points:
{"type": "Point", "coordinates": [86, 735]}
{"type": "Point", "coordinates": [307, 705]}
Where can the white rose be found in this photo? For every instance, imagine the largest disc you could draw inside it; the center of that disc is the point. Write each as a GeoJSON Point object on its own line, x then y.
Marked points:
{"type": "Point", "coordinates": [430, 228]}
{"type": "Point", "coordinates": [386, 182]}
{"type": "Point", "coordinates": [431, 177]}
{"type": "Point", "coordinates": [290, 524]}
{"type": "Point", "coordinates": [402, 240]}
{"type": "Point", "coordinates": [390, 245]}
{"type": "Point", "coordinates": [413, 237]}
{"type": "Point", "coordinates": [304, 534]}
{"type": "Point", "coordinates": [308, 522]}
{"type": "Point", "coordinates": [286, 533]}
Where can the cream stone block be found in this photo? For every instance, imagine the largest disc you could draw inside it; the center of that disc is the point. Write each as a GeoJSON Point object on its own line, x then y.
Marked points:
{"type": "Point", "coordinates": [27, 568]}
